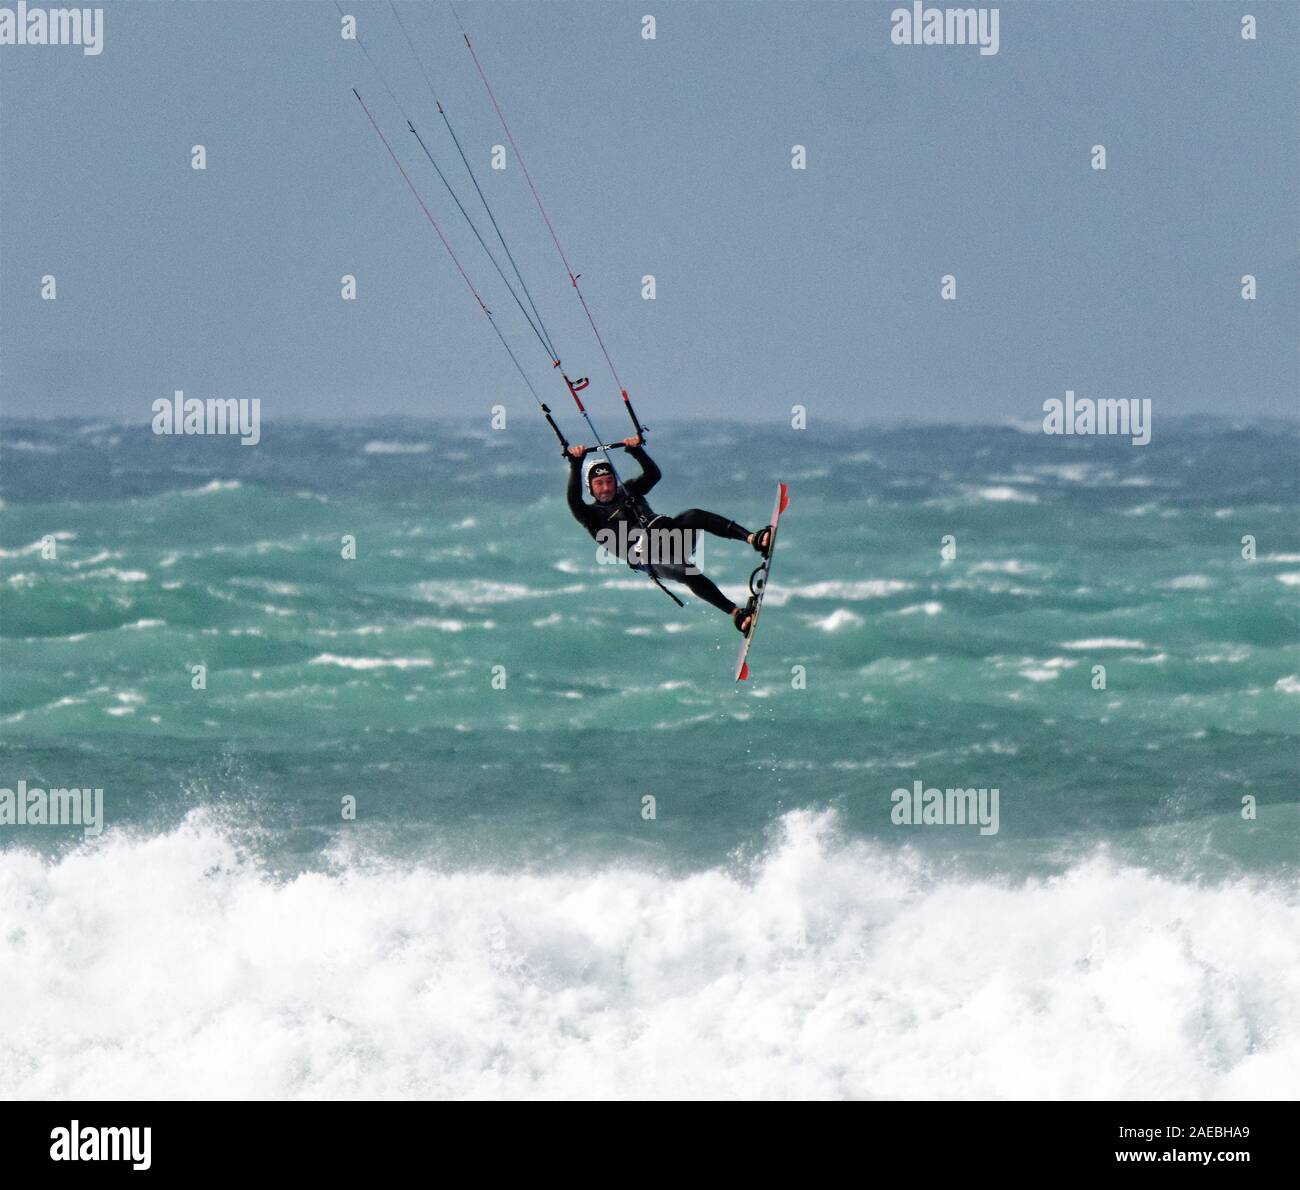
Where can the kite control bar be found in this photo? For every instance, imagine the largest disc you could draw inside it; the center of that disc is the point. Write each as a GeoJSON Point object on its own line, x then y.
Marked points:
{"type": "Point", "coordinates": [598, 446]}
{"type": "Point", "coordinates": [564, 443]}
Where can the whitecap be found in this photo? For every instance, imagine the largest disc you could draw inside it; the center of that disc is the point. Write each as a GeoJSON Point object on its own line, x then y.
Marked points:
{"type": "Point", "coordinates": [931, 607]}
{"type": "Point", "coordinates": [1005, 495]}
{"type": "Point", "coordinates": [215, 485]}
{"type": "Point", "coordinates": [796, 975]}
{"type": "Point", "coordinates": [396, 448]}
{"type": "Point", "coordinates": [841, 617]}
{"type": "Point", "coordinates": [371, 662]}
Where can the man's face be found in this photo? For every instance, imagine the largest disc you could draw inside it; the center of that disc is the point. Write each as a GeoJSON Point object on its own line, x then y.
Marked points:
{"type": "Point", "coordinates": [603, 488]}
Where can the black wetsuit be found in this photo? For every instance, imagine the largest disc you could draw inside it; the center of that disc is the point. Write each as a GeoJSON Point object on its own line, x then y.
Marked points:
{"type": "Point", "coordinates": [630, 509]}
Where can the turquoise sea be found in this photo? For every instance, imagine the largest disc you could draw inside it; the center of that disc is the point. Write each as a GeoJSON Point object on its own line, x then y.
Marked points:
{"type": "Point", "coordinates": [580, 859]}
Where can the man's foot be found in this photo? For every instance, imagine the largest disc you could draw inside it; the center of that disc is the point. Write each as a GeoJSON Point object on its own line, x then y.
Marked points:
{"type": "Point", "coordinates": [762, 540]}
{"type": "Point", "coordinates": [743, 618]}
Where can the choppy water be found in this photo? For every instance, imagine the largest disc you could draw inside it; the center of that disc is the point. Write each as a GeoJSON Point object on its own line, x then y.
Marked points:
{"type": "Point", "coordinates": [501, 917]}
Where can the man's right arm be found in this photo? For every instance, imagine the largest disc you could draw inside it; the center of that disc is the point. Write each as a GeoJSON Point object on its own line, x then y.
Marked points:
{"type": "Point", "coordinates": [577, 505]}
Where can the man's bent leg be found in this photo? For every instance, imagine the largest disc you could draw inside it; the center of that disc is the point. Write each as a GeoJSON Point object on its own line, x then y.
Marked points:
{"type": "Point", "coordinates": [710, 522]}
{"type": "Point", "coordinates": [702, 586]}
{"type": "Point", "coordinates": [699, 585]}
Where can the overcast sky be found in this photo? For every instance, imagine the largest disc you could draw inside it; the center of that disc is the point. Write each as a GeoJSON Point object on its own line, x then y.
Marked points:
{"type": "Point", "coordinates": [669, 157]}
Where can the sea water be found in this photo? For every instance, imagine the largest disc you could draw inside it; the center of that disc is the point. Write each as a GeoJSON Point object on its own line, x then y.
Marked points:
{"type": "Point", "coordinates": [476, 813]}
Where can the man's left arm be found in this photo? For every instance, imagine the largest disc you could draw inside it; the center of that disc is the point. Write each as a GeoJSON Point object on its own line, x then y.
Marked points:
{"type": "Point", "coordinates": [650, 473]}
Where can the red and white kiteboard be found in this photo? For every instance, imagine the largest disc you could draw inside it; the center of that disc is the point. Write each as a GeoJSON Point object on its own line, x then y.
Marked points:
{"type": "Point", "coordinates": [758, 581]}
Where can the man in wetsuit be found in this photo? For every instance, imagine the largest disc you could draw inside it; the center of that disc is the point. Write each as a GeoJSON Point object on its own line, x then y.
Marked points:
{"type": "Point", "coordinates": [627, 507]}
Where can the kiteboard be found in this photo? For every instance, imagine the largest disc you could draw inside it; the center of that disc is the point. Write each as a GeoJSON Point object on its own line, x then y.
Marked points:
{"type": "Point", "coordinates": [758, 581]}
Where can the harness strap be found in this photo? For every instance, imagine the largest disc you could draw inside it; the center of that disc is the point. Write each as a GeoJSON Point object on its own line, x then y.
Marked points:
{"type": "Point", "coordinates": [655, 579]}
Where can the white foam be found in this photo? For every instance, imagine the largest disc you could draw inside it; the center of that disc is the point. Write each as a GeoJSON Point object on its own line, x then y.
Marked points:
{"type": "Point", "coordinates": [215, 485]}
{"type": "Point", "coordinates": [1073, 472]}
{"type": "Point", "coordinates": [34, 547]}
{"type": "Point", "coordinates": [1232, 656]}
{"type": "Point", "coordinates": [1006, 495]}
{"type": "Point", "coordinates": [173, 967]}
{"type": "Point", "coordinates": [474, 592]}
{"type": "Point", "coordinates": [396, 448]}
{"type": "Point", "coordinates": [841, 617]}
{"type": "Point", "coordinates": [1105, 642]}
{"type": "Point", "coordinates": [122, 576]}
{"type": "Point", "coordinates": [621, 584]}
{"type": "Point", "coordinates": [93, 560]}
{"type": "Point", "coordinates": [873, 588]}
{"type": "Point", "coordinates": [1009, 566]}
{"type": "Point", "coordinates": [448, 625]}
{"type": "Point", "coordinates": [931, 607]}
{"type": "Point", "coordinates": [262, 584]}
{"type": "Point", "coordinates": [371, 662]}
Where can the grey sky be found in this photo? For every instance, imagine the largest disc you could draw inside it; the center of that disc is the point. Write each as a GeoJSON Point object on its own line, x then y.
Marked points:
{"type": "Point", "coordinates": [668, 157]}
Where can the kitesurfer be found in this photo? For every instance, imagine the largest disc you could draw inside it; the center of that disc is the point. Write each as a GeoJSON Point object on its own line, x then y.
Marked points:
{"type": "Point", "coordinates": [620, 516]}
